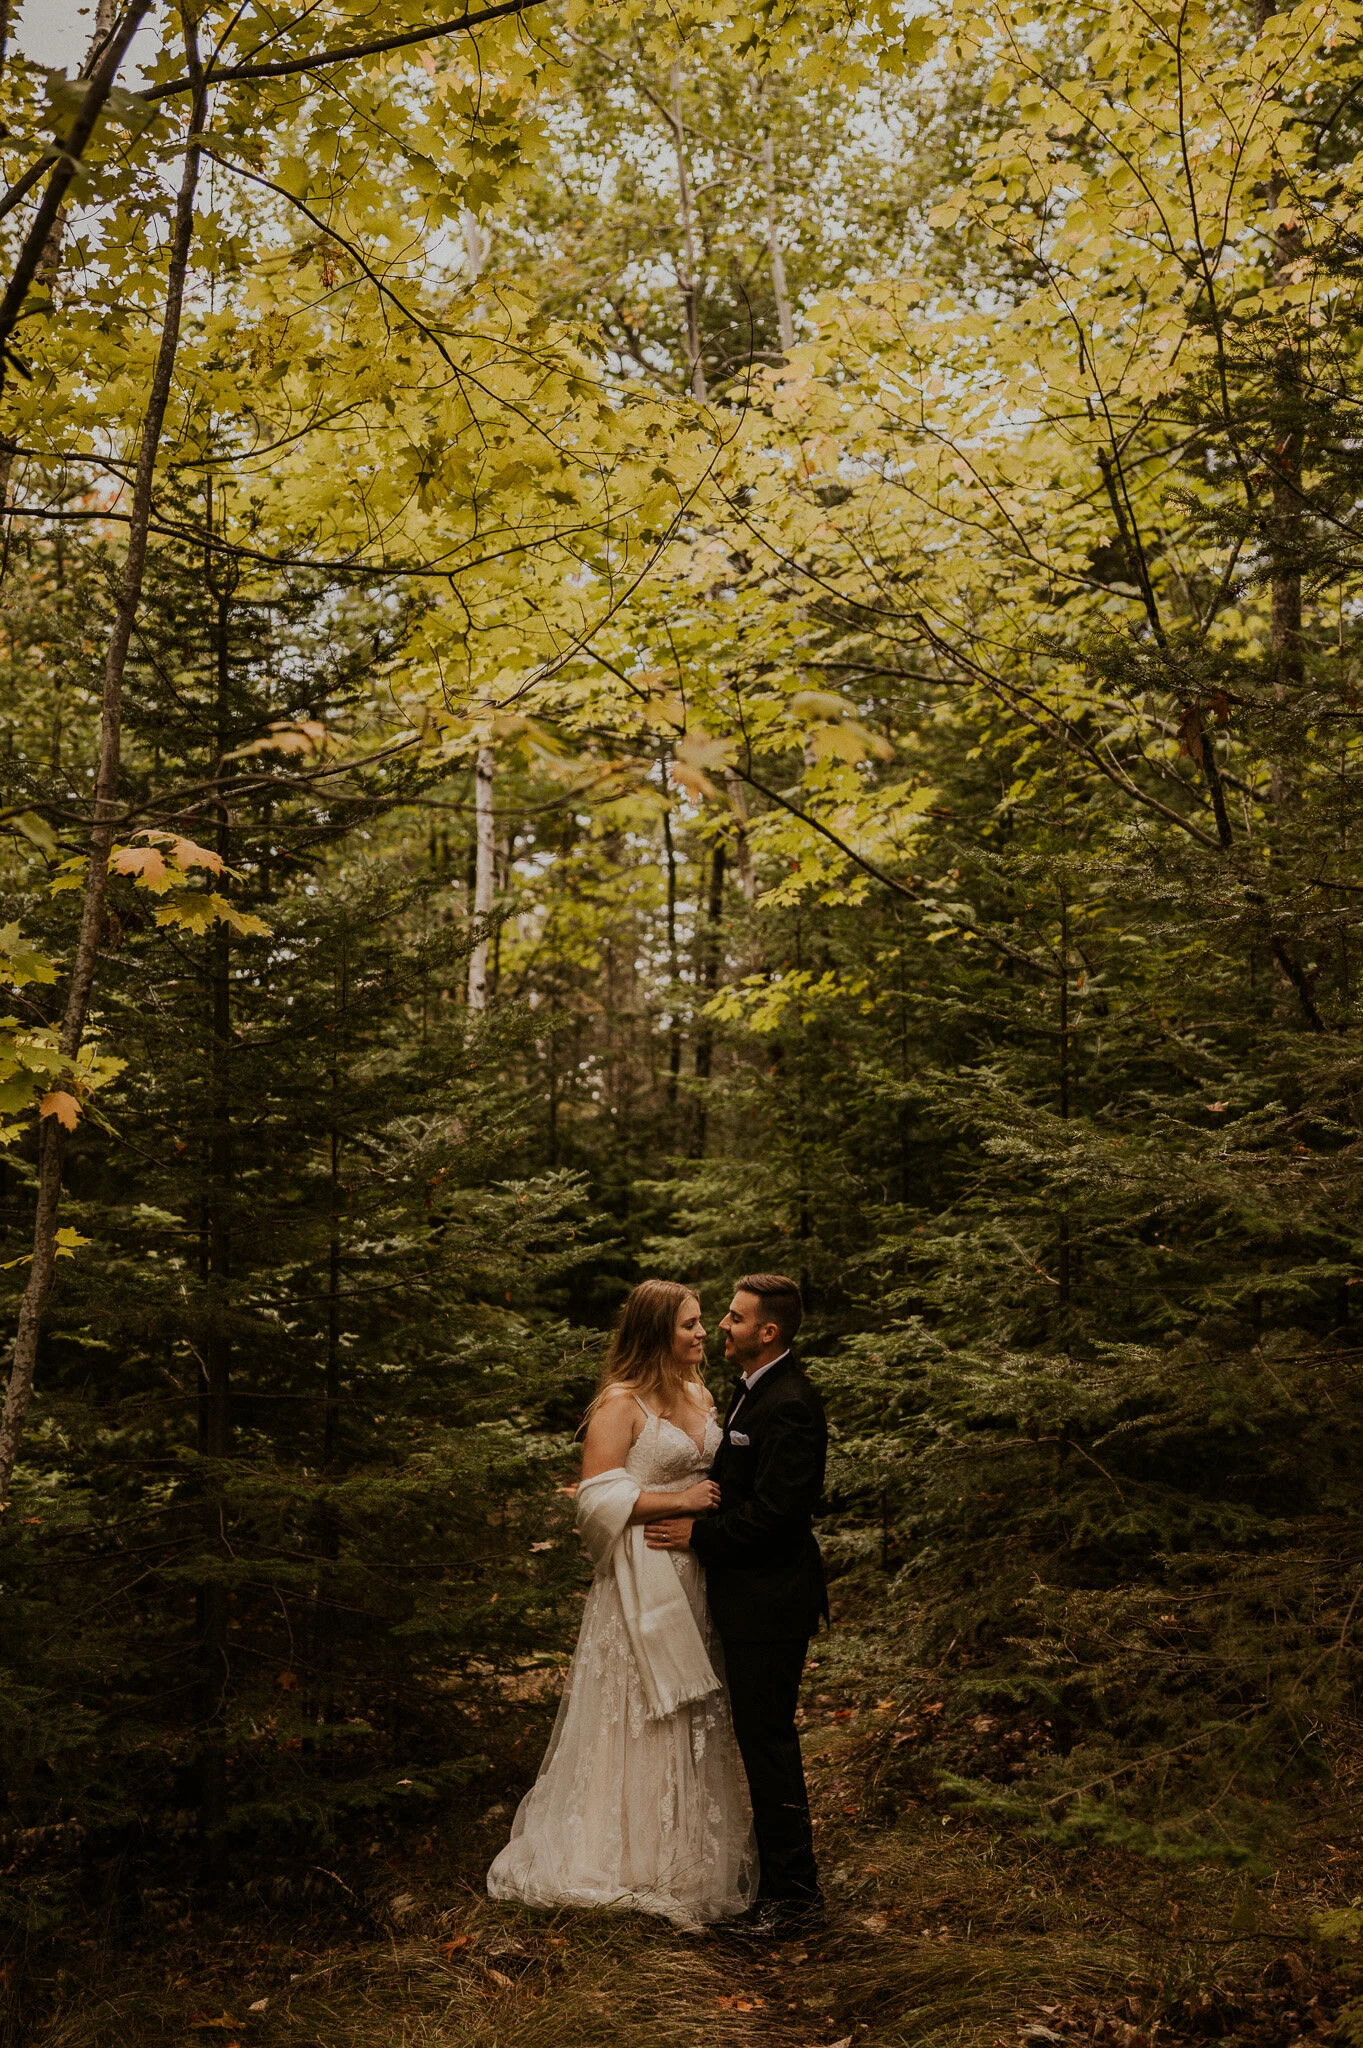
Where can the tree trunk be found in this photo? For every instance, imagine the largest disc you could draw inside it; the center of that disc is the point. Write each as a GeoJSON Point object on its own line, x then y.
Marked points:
{"type": "Point", "coordinates": [1064, 1049]}
{"type": "Point", "coordinates": [215, 1415]}
{"type": "Point", "coordinates": [20, 1389]}
{"type": "Point", "coordinates": [331, 1385]}
{"type": "Point", "coordinates": [674, 1022]}
{"type": "Point", "coordinates": [484, 877]}
{"type": "Point", "coordinates": [64, 169]}
{"type": "Point", "coordinates": [738, 800]}
{"type": "Point", "coordinates": [709, 977]}
{"type": "Point", "coordinates": [215, 1394]}
{"type": "Point", "coordinates": [328, 1521]}
{"type": "Point", "coordinates": [49, 258]}
{"type": "Point", "coordinates": [1285, 525]}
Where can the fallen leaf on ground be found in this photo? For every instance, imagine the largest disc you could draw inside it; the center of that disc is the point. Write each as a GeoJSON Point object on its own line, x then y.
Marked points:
{"type": "Point", "coordinates": [459, 1941]}
{"type": "Point", "coordinates": [502, 1981]}
{"type": "Point", "coordinates": [259, 2005]}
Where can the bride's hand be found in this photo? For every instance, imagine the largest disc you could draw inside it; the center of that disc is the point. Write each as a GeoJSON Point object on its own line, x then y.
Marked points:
{"type": "Point", "coordinates": [699, 1499]}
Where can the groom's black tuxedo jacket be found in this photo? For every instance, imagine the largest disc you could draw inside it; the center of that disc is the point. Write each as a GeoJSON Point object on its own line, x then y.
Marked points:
{"type": "Point", "coordinates": [764, 1574]}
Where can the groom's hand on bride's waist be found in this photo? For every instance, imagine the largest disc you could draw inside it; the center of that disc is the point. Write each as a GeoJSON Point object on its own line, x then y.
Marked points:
{"type": "Point", "coordinates": [673, 1534]}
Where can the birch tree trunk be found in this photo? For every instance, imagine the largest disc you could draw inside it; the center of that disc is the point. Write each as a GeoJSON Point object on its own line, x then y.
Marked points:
{"type": "Point", "coordinates": [484, 877]}
{"type": "Point", "coordinates": [40, 1273]}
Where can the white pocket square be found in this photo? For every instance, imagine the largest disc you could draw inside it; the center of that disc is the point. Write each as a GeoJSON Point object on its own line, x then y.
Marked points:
{"type": "Point", "coordinates": [736, 1436]}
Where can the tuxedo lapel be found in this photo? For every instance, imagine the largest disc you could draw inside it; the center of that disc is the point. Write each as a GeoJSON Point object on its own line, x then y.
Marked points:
{"type": "Point", "coordinates": [745, 1398]}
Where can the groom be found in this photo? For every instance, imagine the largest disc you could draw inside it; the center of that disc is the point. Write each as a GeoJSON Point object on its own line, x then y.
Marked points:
{"type": "Point", "coordinates": [764, 1578]}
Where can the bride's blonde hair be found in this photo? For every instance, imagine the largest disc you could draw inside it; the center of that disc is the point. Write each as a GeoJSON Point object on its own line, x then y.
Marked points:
{"type": "Point", "coordinates": [641, 1355]}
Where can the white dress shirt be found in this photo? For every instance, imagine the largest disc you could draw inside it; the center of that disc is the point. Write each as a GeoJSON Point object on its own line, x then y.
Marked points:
{"type": "Point", "coordinates": [750, 1380]}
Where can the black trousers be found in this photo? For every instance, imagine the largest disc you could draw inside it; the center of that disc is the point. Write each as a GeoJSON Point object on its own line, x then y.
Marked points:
{"type": "Point", "coordinates": [764, 1690]}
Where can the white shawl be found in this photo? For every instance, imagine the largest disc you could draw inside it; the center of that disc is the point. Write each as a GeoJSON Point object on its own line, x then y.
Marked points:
{"type": "Point", "coordinates": [667, 1645]}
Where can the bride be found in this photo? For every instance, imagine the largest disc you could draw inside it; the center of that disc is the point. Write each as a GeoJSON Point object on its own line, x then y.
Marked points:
{"type": "Point", "coordinates": [641, 1802]}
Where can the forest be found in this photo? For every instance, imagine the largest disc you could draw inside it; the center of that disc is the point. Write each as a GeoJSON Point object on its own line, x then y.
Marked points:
{"type": "Point", "coordinates": [674, 639]}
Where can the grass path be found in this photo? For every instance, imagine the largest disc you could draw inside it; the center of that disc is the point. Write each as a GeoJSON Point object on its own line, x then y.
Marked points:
{"type": "Point", "coordinates": [940, 1933]}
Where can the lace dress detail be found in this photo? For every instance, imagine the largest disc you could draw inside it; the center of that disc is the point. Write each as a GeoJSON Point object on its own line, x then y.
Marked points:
{"type": "Point", "coordinates": [629, 1813]}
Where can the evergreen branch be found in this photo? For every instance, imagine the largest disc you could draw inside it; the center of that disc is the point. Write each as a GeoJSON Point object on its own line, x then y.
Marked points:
{"type": "Point", "coordinates": [1015, 696]}
{"type": "Point", "coordinates": [903, 889]}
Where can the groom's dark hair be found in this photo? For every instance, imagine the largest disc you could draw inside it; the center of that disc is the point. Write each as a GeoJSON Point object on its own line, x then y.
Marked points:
{"type": "Point", "coordinates": [780, 1299]}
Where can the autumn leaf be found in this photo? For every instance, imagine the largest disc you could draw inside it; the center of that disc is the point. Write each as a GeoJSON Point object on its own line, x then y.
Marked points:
{"type": "Point", "coordinates": [61, 1105]}
{"type": "Point", "coordinates": [704, 750]}
{"type": "Point", "coordinates": [286, 736]}
{"type": "Point", "coordinates": [147, 867]}
{"type": "Point", "coordinates": [70, 875]}
{"type": "Point", "coordinates": [693, 779]}
{"type": "Point", "coordinates": [190, 910]}
{"type": "Point", "coordinates": [153, 869]}
{"type": "Point", "coordinates": [847, 741]}
{"type": "Point", "coordinates": [195, 910]}
{"type": "Point", "coordinates": [243, 921]}
{"type": "Point", "coordinates": [1190, 735]}
{"type": "Point", "coordinates": [821, 704]}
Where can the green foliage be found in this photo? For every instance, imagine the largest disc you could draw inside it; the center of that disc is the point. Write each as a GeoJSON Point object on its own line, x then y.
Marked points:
{"type": "Point", "coordinates": [923, 735]}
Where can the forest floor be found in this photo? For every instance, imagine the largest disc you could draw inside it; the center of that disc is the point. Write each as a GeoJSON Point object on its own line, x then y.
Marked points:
{"type": "Point", "coordinates": [941, 1930]}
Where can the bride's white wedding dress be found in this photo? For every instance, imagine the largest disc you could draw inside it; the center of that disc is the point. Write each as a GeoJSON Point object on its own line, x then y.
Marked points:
{"type": "Point", "coordinates": [636, 1809]}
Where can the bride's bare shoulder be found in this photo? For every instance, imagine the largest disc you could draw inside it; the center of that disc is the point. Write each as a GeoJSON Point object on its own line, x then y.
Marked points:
{"type": "Point", "coordinates": [613, 1400]}
{"type": "Point", "coordinates": [614, 1411]}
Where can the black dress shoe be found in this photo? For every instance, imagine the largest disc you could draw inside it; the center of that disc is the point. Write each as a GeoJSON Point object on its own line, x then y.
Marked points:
{"type": "Point", "coordinates": [800, 1916]}
{"type": "Point", "coordinates": [778, 1920]}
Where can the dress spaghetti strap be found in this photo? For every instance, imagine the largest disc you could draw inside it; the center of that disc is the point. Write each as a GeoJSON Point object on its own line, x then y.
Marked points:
{"type": "Point", "coordinates": [648, 1411]}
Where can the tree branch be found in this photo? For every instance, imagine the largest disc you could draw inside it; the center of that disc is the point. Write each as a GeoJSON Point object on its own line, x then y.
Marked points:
{"type": "Point", "coordinates": [288, 66]}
